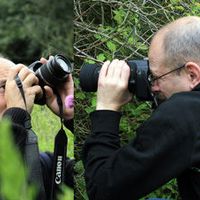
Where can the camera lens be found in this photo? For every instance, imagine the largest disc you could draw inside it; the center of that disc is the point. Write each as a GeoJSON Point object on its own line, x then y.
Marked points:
{"type": "Point", "coordinates": [89, 77]}
{"type": "Point", "coordinates": [55, 71]}
{"type": "Point", "coordinates": [138, 81]}
{"type": "Point", "coordinates": [52, 73]}
{"type": "Point", "coordinates": [65, 67]}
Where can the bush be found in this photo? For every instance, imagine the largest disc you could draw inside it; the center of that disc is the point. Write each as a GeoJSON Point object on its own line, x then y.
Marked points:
{"type": "Point", "coordinates": [119, 29]}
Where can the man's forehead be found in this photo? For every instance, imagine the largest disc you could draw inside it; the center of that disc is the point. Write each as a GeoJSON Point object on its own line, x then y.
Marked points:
{"type": "Point", "coordinates": [156, 54]}
{"type": "Point", "coordinates": [5, 65]}
{"type": "Point", "coordinates": [156, 66]}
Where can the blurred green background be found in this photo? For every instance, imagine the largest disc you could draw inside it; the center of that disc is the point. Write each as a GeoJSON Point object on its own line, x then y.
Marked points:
{"type": "Point", "coordinates": [30, 30]}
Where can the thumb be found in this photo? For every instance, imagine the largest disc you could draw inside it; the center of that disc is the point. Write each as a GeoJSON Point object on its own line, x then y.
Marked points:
{"type": "Point", "coordinates": [48, 92]}
{"type": "Point", "coordinates": [69, 101]}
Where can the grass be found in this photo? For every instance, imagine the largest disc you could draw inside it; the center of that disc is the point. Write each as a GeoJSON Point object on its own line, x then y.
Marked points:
{"type": "Point", "coordinates": [46, 125]}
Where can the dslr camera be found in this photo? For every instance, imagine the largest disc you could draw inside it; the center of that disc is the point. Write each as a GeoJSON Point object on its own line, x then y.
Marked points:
{"type": "Point", "coordinates": [53, 73]}
{"type": "Point", "coordinates": [138, 82]}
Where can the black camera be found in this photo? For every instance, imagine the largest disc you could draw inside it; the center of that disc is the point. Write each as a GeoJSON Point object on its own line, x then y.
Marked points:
{"type": "Point", "coordinates": [53, 73]}
{"type": "Point", "coordinates": [138, 82]}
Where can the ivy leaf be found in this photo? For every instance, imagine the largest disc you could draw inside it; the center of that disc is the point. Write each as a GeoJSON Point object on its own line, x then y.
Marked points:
{"type": "Point", "coordinates": [119, 16]}
{"type": "Point", "coordinates": [80, 95]}
{"type": "Point", "coordinates": [130, 40]}
{"type": "Point", "coordinates": [89, 61]}
{"type": "Point", "coordinates": [111, 46]}
{"type": "Point", "coordinates": [101, 57]}
{"type": "Point", "coordinates": [94, 101]}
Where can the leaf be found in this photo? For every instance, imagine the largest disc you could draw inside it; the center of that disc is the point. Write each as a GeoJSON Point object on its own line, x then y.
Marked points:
{"type": "Point", "coordinates": [97, 36]}
{"type": "Point", "coordinates": [119, 16]}
{"type": "Point", "coordinates": [80, 95]}
{"type": "Point", "coordinates": [94, 101]}
{"type": "Point", "coordinates": [13, 182]}
{"type": "Point", "coordinates": [111, 46]}
{"type": "Point", "coordinates": [89, 61]}
{"type": "Point", "coordinates": [89, 109]}
{"type": "Point", "coordinates": [130, 40]}
{"type": "Point", "coordinates": [101, 57]}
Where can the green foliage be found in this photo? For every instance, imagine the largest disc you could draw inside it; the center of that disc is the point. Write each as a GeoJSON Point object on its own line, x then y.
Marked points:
{"type": "Point", "coordinates": [121, 29]}
{"type": "Point", "coordinates": [67, 193]}
{"type": "Point", "coordinates": [46, 125]}
{"type": "Point", "coordinates": [111, 46]}
{"type": "Point", "coordinates": [168, 191]}
{"type": "Point", "coordinates": [80, 182]}
{"type": "Point", "coordinates": [133, 115]}
{"type": "Point", "coordinates": [13, 182]}
{"type": "Point", "coordinates": [101, 57]}
{"type": "Point", "coordinates": [119, 15]}
{"type": "Point", "coordinates": [27, 33]}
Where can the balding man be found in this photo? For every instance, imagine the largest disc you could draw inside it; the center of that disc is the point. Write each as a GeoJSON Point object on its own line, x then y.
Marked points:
{"type": "Point", "coordinates": [18, 110]}
{"type": "Point", "coordinates": [167, 145]}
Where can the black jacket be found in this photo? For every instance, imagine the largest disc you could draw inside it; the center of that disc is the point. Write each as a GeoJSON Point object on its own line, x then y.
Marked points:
{"type": "Point", "coordinates": [19, 119]}
{"type": "Point", "coordinates": [167, 146]}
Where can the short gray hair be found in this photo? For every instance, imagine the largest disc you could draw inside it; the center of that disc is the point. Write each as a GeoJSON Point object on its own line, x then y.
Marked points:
{"type": "Point", "coordinates": [181, 41]}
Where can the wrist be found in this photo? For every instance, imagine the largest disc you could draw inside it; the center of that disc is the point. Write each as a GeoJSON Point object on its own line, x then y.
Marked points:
{"type": "Point", "coordinates": [112, 107]}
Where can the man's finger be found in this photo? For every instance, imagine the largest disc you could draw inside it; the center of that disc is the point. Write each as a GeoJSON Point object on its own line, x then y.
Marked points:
{"type": "Point", "coordinates": [118, 69]}
{"type": "Point", "coordinates": [14, 71]}
{"type": "Point", "coordinates": [24, 72]}
{"type": "Point", "coordinates": [30, 80]}
{"type": "Point", "coordinates": [36, 90]}
{"type": "Point", "coordinates": [43, 60]}
{"type": "Point", "coordinates": [125, 73]}
{"type": "Point", "coordinates": [103, 71]}
{"type": "Point", "coordinates": [48, 92]}
{"type": "Point", "coordinates": [112, 67]}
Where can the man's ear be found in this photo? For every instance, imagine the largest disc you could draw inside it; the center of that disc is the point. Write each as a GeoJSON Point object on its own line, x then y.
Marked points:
{"type": "Point", "coordinates": [193, 72]}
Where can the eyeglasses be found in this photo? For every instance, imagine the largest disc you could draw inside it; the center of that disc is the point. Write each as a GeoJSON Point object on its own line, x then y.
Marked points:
{"type": "Point", "coordinates": [152, 78]}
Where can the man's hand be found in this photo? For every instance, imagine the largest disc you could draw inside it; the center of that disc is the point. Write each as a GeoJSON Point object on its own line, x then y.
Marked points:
{"type": "Point", "coordinates": [66, 92]}
{"type": "Point", "coordinates": [112, 90]}
{"type": "Point", "coordinates": [30, 85]}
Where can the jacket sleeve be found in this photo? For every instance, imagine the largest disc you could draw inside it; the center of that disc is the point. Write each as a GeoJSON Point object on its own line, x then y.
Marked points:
{"type": "Point", "coordinates": [18, 118]}
{"type": "Point", "coordinates": [160, 151]}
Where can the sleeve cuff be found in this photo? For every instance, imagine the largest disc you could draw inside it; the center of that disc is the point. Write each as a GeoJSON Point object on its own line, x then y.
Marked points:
{"type": "Point", "coordinates": [105, 120]}
{"type": "Point", "coordinates": [18, 116]}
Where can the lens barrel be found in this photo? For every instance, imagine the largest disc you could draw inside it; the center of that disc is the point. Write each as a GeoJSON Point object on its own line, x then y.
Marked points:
{"type": "Point", "coordinates": [55, 71]}
{"type": "Point", "coordinates": [52, 73]}
{"type": "Point", "coordinates": [138, 82]}
{"type": "Point", "coordinates": [89, 75]}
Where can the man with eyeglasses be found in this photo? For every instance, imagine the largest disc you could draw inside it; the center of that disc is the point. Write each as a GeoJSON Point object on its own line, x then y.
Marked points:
{"type": "Point", "coordinates": [167, 145]}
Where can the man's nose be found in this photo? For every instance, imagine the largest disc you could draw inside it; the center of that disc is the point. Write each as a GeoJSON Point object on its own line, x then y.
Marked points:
{"type": "Point", "coordinates": [155, 87]}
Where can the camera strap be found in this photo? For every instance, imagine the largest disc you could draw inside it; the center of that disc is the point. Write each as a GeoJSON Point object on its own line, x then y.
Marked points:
{"type": "Point", "coordinates": [20, 87]}
{"type": "Point", "coordinates": [32, 152]}
{"type": "Point", "coordinates": [59, 159]}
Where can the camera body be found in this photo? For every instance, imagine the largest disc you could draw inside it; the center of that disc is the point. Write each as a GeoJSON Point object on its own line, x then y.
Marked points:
{"type": "Point", "coordinates": [138, 82]}
{"type": "Point", "coordinates": [53, 73]}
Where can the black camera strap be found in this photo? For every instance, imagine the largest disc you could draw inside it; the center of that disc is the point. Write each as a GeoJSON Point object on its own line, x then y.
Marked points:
{"type": "Point", "coordinates": [33, 163]}
{"type": "Point", "coordinates": [59, 159]}
{"type": "Point", "coordinates": [32, 152]}
{"type": "Point", "coordinates": [20, 87]}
